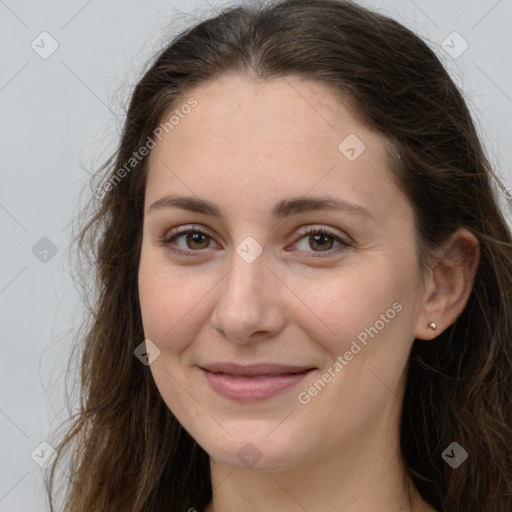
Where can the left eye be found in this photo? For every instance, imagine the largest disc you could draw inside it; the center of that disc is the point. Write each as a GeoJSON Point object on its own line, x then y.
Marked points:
{"type": "Point", "coordinates": [196, 240]}
{"type": "Point", "coordinates": [322, 239]}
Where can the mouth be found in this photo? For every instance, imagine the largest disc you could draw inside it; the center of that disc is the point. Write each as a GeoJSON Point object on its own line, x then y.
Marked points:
{"type": "Point", "coordinates": [253, 382]}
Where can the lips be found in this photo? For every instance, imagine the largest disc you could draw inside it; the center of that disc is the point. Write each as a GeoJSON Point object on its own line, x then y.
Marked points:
{"type": "Point", "coordinates": [255, 370]}
{"type": "Point", "coordinates": [253, 382]}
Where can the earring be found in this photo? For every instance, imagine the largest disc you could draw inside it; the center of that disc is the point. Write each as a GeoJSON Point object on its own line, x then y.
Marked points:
{"type": "Point", "coordinates": [432, 326]}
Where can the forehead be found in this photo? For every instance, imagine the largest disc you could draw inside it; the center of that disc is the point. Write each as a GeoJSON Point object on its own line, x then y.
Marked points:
{"type": "Point", "coordinates": [234, 109]}
{"type": "Point", "coordinates": [270, 139]}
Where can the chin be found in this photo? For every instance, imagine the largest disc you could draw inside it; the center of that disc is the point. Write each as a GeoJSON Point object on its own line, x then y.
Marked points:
{"type": "Point", "coordinates": [262, 449]}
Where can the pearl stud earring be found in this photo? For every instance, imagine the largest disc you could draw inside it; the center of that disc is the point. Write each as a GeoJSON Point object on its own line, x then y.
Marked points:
{"type": "Point", "coordinates": [432, 325]}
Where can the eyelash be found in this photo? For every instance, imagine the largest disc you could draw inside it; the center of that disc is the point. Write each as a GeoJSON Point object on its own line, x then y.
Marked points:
{"type": "Point", "coordinates": [166, 241]}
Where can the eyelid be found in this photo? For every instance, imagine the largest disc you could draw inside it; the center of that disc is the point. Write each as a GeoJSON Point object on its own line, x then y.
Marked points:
{"type": "Point", "coordinates": [180, 231]}
{"type": "Point", "coordinates": [319, 228]}
{"type": "Point", "coordinates": [344, 240]}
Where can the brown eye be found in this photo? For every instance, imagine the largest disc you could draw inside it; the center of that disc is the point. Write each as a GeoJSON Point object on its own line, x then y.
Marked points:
{"type": "Point", "coordinates": [195, 240]}
{"type": "Point", "coordinates": [322, 240]}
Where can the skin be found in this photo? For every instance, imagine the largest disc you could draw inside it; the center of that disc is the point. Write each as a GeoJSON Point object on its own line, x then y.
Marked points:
{"type": "Point", "coordinates": [245, 146]}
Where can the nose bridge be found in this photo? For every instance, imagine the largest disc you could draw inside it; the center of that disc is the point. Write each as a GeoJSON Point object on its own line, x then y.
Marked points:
{"type": "Point", "coordinates": [246, 282]}
{"type": "Point", "coordinates": [246, 301]}
{"type": "Point", "coordinates": [248, 267]}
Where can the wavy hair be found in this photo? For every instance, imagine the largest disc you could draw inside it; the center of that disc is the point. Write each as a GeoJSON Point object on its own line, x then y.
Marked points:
{"type": "Point", "coordinates": [127, 450]}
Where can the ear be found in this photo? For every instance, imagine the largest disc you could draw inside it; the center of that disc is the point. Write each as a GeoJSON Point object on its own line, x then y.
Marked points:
{"type": "Point", "coordinates": [449, 284]}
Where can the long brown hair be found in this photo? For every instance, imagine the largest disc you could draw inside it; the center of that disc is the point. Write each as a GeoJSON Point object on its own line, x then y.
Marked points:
{"type": "Point", "coordinates": [128, 451]}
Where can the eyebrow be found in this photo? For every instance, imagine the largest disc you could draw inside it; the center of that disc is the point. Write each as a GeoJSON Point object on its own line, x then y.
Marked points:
{"type": "Point", "coordinates": [283, 208]}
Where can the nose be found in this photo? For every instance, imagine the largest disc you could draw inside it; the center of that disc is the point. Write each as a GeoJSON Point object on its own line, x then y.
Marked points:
{"type": "Point", "coordinates": [249, 304]}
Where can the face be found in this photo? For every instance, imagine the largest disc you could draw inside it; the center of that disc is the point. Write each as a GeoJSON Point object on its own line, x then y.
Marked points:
{"type": "Point", "coordinates": [284, 327]}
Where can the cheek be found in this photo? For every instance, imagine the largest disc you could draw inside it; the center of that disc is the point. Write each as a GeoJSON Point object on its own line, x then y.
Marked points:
{"type": "Point", "coordinates": [171, 303]}
{"type": "Point", "coordinates": [343, 306]}
{"type": "Point", "coordinates": [369, 325]}
{"type": "Point", "coordinates": [171, 316]}
{"type": "Point", "coordinates": [367, 340]}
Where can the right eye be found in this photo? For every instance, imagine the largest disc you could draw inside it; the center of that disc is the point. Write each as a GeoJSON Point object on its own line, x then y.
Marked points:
{"type": "Point", "coordinates": [192, 237]}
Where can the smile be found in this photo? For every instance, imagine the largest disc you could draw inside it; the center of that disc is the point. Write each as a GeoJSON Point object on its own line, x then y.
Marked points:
{"type": "Point", "coordinates": [252, 383]}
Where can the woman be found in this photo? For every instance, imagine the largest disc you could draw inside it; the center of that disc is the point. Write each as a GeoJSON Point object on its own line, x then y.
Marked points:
{"type": "Point", "coordinates": [303, 279]}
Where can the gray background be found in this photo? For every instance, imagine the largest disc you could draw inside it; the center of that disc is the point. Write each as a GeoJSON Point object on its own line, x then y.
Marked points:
{"type": "Point", "coordinates": [62, 115]}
